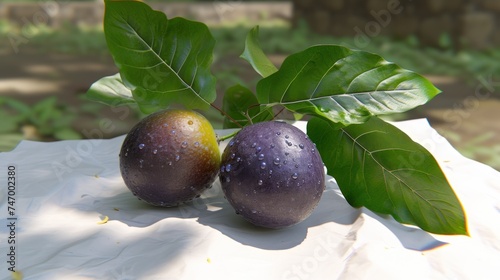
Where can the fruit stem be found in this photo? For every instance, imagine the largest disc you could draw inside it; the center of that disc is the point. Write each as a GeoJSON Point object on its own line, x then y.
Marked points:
{"type": "Point", "coordinates": [225, 115]}
{"type": "Point", "coordinates": [277, 114]}
{"type": "Point", "coordinates": [225, 137]}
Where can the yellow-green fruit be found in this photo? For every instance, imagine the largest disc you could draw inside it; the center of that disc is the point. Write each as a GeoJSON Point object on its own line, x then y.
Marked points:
{"type": "Point", "coordinates": [170, 157]}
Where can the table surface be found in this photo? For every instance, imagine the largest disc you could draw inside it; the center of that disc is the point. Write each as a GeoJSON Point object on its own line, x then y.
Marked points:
{"type": "Point", "coordinates": [64, 189]}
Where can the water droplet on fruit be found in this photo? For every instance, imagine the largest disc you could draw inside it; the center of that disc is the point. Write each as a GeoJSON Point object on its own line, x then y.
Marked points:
{"type": "Point", "coordinates": [238, 159]}
{"type": "Point", "coordinates": [184, 144]}
{"type": "Point", "coordinates": [276, 161]}
{"type": "Point", "coordinates": [263, 165]}
{"type": "Point", "coordinates": [295, 176]}
{"type": "Point", "coordinates": [301, 146]}
{"type": "Point", "coordinates": [278, 133]}
{"type": "Point", "coordinates": [254, 211]}
{"type": "Point", "coordinates": [141, 146]}
{"type": "Point", "coordinates": [260, 157]}
{"type": "Point", "coordinates": [155, 151]}
{"type": "Point", "coordinates": [172, 131]}
{"type": "Point", "coordinates": [286, 136]}
{"type": "Point", "coordinates": [177, 157]}
{"type": "Point", "coordinates": [231, 143]}
{"type": "Point", "coordinates": [309, 165]}
{"type": "Point", "coordinates": [140, 163]}
{"type": "Point", "coordinates": [272, 146]}
{"type": "Point", "coordinates": [288, 143]}
{"type": "Point", "coordinates": [190, 122]}
{"type": "Point", "coordinates": [165, 124]}
{"type": "Point", "coordinates": [287, 153]}
{"type": "Point", "coordinates": [260, 183]}
{"type": "Point", "coordinates": [233, 155]}
{"type": "Point", "coordinates": [196, 144]}
{"type": "Point", "coordinates": [228, 179]}
{"type": "Point", "coordinates": [254, 145]}
{"type": "Point", "coordinates": [228, 167]}
{"type": "Point", "coordinates": [126, 154]}
{"type": "Point", "coordinates": [258, 149]}
{"type": "Point", "coordinates": [223, 169]}
{"type": "Point", "coordinates": [296, 165]}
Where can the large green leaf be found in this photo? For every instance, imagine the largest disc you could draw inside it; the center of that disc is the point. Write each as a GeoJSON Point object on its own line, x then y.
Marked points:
{"type": "Point", "coordinates": [343, 85]}
{"type": "Point", "coordinates": [240, 104]}
{"type": "Point", "coordinates": [378, 166]}
{"type": "Point", "coordinates": [162, 61]}
{"type": "Point", "coordinates": [255, 56]}
{"type": "Point", "coordinates": [110, 90]}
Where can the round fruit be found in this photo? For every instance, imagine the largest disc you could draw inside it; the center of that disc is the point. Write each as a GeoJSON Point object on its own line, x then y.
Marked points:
{"type": "Point", "coordinates": [170, 157]}
{"type": "Point", "coordinates": [272, 174]}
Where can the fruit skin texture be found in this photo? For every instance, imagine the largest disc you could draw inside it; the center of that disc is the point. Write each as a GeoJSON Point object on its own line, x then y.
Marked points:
{"type": "Point", "coordinates": [170, 157]}
{"type": "Point", "coordinates": [272, 174]}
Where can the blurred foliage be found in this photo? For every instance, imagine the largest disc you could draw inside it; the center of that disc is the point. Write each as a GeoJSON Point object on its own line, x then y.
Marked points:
{"type": "Point", "coordinates": [408, 53]}
{"type": "Point", "coordinates": [51, 120]}
{"type": "Point", "coordinates": [276, 38]}
{"type": "Point", "coordinates": [45, 120]}
{"type": "Point", "coordinates": [82, 39]}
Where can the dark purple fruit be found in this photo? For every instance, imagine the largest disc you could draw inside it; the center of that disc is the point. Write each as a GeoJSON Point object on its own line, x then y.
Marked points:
{"type": "Point", "coordinates": [170, 157]}
{"type": "Point", "coordinates": [272, 174]}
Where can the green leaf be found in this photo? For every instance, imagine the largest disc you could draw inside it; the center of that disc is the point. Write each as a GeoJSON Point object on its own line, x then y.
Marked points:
{"type": "Point", "coordinates": [110, 90]}
{"type": "Point", "coordinates": [44, 110]}
{"type": "Point", "coordinates": [343, 85]}
{"type": "Point", "coordinates": [67, 134]}
{"type": "Point", "coordinates": [255, 56]}
{"type": "Point", "coordinates": [23, 110]}
{"type": "Point", "coordinates": [162, 61]}
{"type": "Point", "coordinates": [9, 123]}
{"type": "Point", "coordinates": [378, 166]}
{"type": "Point", "coordinates": [238, 102]}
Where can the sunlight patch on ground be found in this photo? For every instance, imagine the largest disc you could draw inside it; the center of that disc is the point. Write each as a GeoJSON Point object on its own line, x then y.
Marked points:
{"type": "Point", "coordinates": [28, 86]}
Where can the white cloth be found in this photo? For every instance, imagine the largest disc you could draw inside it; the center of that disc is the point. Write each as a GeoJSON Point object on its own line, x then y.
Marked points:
{"type": "Point", "coordinates": [64, 189]}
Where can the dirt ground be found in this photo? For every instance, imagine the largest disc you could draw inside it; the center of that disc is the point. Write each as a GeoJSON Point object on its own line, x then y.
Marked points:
{"type": "Point", "coordinates": [465, 113]}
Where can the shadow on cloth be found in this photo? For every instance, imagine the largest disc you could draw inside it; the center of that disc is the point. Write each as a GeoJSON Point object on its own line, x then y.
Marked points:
{"type": "Point", "coordinates": [213, 210]}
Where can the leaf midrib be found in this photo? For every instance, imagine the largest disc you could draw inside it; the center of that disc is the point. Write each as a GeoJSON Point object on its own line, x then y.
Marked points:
{"type": "Point", "coordinates": [349, 94]}
{"type": "Point", "coordinates": [162, 61]}
{"type": "Point", "coordinates": [366, 151]}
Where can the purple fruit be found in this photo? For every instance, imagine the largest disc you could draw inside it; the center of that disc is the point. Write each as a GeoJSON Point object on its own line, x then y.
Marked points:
{"type": "Point", "coordinates": [272, 174]}
{"type": "Point", "coordinates": [170, 157]}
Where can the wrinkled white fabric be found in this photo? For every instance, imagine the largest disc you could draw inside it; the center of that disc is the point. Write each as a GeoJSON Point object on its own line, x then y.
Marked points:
{"type": "Point", "coordinates": [65, 188]}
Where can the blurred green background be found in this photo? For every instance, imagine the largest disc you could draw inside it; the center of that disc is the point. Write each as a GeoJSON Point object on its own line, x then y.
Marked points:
{"type": "Point", "coordinates": [46, 70]}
